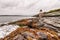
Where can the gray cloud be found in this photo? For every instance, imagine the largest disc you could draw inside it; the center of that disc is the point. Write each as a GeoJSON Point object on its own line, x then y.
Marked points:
{"type": "Point", "coordinates": [26, 7]}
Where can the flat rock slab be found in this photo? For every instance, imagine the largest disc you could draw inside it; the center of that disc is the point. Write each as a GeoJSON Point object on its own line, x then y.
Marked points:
{"type": "Point", "coordinates": [53, 20]}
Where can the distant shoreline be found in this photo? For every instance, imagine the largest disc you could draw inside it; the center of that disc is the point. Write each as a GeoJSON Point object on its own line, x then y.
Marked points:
{"type": "Point", "coordinates": [17, 15]}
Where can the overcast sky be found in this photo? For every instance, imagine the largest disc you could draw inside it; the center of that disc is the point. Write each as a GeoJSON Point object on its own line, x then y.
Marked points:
{"type": "Point", "coordinates": [27, 7]}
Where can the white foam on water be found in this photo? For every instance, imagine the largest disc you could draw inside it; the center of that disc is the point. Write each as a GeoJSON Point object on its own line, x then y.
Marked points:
{"type": "Point", "coordinates": [7, 29]}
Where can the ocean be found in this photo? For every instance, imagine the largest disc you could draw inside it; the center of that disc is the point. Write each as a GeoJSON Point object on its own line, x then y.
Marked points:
{"type": "Point", "coordinates": [11, 18]}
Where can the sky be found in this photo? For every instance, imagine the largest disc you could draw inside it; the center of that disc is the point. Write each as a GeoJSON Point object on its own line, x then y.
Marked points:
{"type": "Point", "coordinates": [27, 7]}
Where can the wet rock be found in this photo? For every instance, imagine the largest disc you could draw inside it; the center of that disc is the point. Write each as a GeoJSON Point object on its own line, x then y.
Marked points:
{"type": "Point", "coordinates": [19, 37]}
